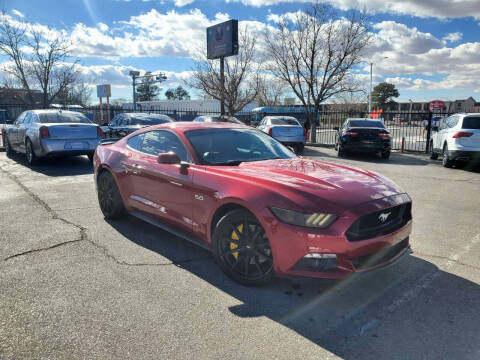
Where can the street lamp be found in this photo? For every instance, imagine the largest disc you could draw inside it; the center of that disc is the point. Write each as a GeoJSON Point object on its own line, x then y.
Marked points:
{"type": "Point", "coordinates": [136, 75]}
{"type": "Point", "coordinates": [371, 86]}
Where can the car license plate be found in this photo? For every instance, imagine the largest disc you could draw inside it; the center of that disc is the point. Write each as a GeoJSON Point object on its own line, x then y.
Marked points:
{"type": "Point", "coordinates": [76, 146]}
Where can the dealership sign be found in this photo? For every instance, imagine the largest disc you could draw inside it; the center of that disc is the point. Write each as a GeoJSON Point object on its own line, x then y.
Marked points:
{"type": "Point", "coordinates": [222, 40]}
{"type": "Point", "coordinates": [103, 91]}
{"type": "Point", "coordinates": [437, 105]}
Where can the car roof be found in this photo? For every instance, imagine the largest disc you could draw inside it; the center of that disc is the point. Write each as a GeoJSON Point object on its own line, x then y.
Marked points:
{"type": "Point", "coordinates": [362, 119]}
{"type": "Point", "coordinates": [54, 111]}
{"type": "Point", "coordinates": [183, 126]}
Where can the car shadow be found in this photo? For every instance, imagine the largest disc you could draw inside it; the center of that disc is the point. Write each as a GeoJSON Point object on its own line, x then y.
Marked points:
{"type": "Point", "coordinates": [321, 310]}
{"type": "Point", "coordinates": [395, 158]}
{"type": "Point", "coordinates": [57, 166]}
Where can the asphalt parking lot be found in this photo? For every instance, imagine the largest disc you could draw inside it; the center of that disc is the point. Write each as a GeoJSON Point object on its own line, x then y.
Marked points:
{"type": "Point", "coordinates": [74, 285]}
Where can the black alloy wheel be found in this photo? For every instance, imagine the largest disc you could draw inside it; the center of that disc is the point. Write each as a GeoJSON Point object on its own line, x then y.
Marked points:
{"type": "Point", "coordinates": [433, 154]}
{"type": "Point", "coordinates": [109, 197]}
{"type": "Point", "coordinates": [242, 249]}
{"type": "Point", "coordinates": [446, 160]}
{"type": "Point", "coordinates": [30, 154]}
{"type": "Point", "coordinates": [386, 155]}
{"type": "Point", "coordinates": [8, 148]}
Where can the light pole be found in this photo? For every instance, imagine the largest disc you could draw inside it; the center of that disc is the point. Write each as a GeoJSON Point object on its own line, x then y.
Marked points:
{"type": "Point", "coordinates": [136, 75]}
{"type": "Point", "coordinates": [371, 86]}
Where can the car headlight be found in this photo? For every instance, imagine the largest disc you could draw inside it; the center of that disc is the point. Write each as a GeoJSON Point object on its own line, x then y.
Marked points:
{"type": "Point", "coordinates": [316, 220]}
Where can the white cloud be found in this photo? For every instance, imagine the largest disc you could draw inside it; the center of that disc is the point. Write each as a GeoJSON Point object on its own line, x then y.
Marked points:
{"type": "Point", "coordinates": [453, 37]}
{"type": "Point", "coordinates": [103, 27]}
{"type": "Point", "coordinates": [17, 13]}
{"type": "Point", "coordinates": [180, 3]}
{"type": "Point", "coordinates": [421, 8]}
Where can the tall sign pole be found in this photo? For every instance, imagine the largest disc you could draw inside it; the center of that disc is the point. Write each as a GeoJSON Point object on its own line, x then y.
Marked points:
{"type": "Point", "coordinates": [134, 75]}
{"type": "Point", "coordinates": [222, 80]}
{"type": "Point", "coordinates": [222, 41]}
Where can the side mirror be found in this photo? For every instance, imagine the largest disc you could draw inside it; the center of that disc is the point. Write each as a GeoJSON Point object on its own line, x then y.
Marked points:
{"type": "Point", "coordinates": [168, 158]}
{"type": "Point", "coordinates": [336, 128]}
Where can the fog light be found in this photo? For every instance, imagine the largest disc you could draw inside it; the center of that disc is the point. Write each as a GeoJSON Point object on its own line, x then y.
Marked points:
{"type": "Point", "coordinates": [317, 262]}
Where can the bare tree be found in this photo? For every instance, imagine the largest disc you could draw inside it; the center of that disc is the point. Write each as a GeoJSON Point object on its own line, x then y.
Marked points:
{"type": "Point", "coordinates": [351, 102]}
{"type": "Point", "coordinates": [241, 76]}
{"type": "Point", "coordinates": [78, 93]}
{"type": "Point", "coordinates": [313, 52]}
{"type": "Point", "coordinates": [38, 61]}
{"type": "Point", "coordinates": [269, 92]}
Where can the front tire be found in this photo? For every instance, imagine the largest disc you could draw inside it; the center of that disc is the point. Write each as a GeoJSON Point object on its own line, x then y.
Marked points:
{"type": "Point", "coordinates": [446, 161]}
{"type": "Point", "coordinates": [433, 154]}
{"type": "Point", "coordinates": [30, 153]}
{"type": "Point", "coordinates": [242, 249]}
{"type": "Point", "coordinates": [8, 148]}
{"type": "Point", "coordinates": [109, 197]}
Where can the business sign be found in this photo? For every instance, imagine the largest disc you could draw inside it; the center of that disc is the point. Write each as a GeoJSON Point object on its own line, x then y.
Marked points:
{"type": "Point", "coordinates": [103, 91]}
{"type": "Point", "coordinates": [222, 39]}
{"type": "Point", "coordinates": [436, 105]}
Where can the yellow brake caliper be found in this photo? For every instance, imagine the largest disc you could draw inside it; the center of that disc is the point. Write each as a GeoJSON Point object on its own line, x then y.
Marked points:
{"type": "Point", "coordinates": [234, 237]}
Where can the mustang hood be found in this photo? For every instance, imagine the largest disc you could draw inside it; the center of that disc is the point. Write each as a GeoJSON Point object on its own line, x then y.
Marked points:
{"type": "Point", "coordinates": [304, 181]}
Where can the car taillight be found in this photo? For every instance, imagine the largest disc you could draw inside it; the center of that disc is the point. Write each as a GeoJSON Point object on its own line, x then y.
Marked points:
{"type": "Point", "coordinates": [461, 134]}
{"type": "Point", "coordinates": [44, 133]}
{"type": "Point", "coordinates": [270, 131]}
{"type": "Point", "coordinates": [99, 131]}
{"type": "Point", "coordinates": [350, 133]}
{"type": "Point", "coordinates": [384, 134]}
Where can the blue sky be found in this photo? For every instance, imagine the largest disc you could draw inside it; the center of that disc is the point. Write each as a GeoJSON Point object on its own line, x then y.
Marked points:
{"type": "Point", "coordinates": [432, 46]}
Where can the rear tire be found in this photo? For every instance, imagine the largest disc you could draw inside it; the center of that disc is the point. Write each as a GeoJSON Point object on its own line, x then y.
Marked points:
{"type": "Point", "coordinates": [30, 153]}
{"type": "Point", "coordinates": [242, 250]}
{"type": "Point", "coordinates": [90, 157]}
{"type": "Point", "coordinates": [299, 149]}
{"type": "Point", "coordinates": [8, 148]}
{"type": "Point", "coordinates": [433, 154]}
{"type": "Point", "coordinates": [340, 151]}
{"type": "Point", "coordinates": [446, 160]}
{"type": "Point", "coordinates": [385, 155]}
{"type": "Point", "coordinates": [109, 197]}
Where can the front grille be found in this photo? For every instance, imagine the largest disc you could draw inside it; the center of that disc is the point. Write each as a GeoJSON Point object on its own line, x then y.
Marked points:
{"type": "Point", "coordinates": [370, 226]}
{"type": "Point", "coordinates": [380, 257]}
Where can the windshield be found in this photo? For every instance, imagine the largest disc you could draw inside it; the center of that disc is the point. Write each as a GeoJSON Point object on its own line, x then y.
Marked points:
{"type": "Point", "coordinates": [230, 146]}
{"type": "Point", "coordinates": [284, 121]}
{"type": "Point", "coordinates": [366, 123]}
{"type": "Point", "coordinates": [149, 120]}
{"type": "Point", "coordinates": [471, 122]}
{"type": "Point", "coordinates": [54, 117]}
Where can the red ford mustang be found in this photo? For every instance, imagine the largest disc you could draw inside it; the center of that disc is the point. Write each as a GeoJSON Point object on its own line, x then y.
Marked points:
{"type": "Point", "coordinates": [261, 209]}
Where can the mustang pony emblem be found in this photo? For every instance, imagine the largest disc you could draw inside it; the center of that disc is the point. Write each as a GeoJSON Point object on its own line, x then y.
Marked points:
{"type": "Point", "coordinates": [384, 216]}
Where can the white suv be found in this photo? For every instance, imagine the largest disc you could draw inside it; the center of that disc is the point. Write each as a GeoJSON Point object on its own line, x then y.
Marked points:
{"type": "Point", "coordinates": [457, 139]}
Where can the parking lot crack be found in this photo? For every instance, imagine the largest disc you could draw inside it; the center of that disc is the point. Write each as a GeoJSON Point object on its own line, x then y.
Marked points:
{"type": "Point", "coordinates": [41, 249]}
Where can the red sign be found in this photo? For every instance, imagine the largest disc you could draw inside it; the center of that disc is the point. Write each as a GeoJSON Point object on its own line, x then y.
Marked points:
{"type": "Point", "coordinates": [375, 114]}
{"type": "Point", "coordinates": [437, 104]}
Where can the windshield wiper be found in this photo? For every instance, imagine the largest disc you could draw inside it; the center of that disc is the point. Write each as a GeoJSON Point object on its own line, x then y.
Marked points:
{"type": "Point", "coordinates": [229, 162]}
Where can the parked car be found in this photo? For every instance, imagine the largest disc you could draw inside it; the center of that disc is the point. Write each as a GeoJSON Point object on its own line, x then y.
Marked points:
{"type": "Point", "coordinates": [41, 133]}
{"type": "Point", "coordinates": [285, 129]}
{"type": "Point", "coordinates": [258, 207]}
{"type": "Point", "coordinates": [363, 135]}
{"type": "Point", "coordinates": [224, 118]}
{"type": "Point", "coordinates": [126, 123]}
{"type": "Point", "coordinates": [457, 139]}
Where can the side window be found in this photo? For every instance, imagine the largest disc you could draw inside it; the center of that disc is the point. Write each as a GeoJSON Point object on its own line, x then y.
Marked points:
{"type": "Point", "coordinates": [114, 121]}
{"type": "Point", "coordinates": [135, 142]}
{"type": "Point", "coordinates": [452, 121]}
{"type": "Point", "coordinates": [20, 118]}
{"type": "Point", "coordinates": [28, 118]}
{"type": "Point", "coordinates": [160, 141]}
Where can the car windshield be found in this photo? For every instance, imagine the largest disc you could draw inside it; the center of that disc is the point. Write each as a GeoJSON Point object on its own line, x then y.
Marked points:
{"type": "Point", "coordinates": [284, 121]}
{"type": "Point", "coordinates": [58, 117]}
{"type": "Point", "coordinates": [471, 122]}
{"type": "Point", "coordinates": [233, 146]}
{"type": "Point", "coordinates": [149, 120]}
{"type": "Point", "coordinates": [366, 123]}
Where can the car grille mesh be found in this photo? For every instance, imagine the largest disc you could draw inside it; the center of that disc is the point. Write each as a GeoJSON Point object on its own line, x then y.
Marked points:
{"type": "Point", "coordinates": [371, 225]}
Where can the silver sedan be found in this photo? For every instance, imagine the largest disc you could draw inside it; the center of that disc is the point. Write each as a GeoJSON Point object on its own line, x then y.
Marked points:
{"type": "Point", "coordinates": [41, 133]}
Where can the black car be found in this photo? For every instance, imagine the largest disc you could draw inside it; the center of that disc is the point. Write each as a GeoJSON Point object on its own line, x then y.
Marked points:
{"type": "Point", "coordinates": [126, 123]}
{"type": "Point", "coordinates": [363, 135]}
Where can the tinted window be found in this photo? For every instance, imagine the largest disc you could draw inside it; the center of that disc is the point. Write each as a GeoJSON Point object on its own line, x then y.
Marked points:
{"type": "Point", "coordinates": [135, 142]}
{"type": "Point", "coordinates": [57, 117]}
{"type": "Point", "coordinates": [160, 141]}
{"type": "Point", "coordinates": [20, 118]}
{"type": "Point", "coordinates": [149, 120]}
{"type": "Point", "coordinates": [366, 123]}
{"type": "Point", "coordinates": [284, 121]}
{"type": "Point", "coordinates": [220, 146]}
{"type": "Point", "coordinates": [471, 122]}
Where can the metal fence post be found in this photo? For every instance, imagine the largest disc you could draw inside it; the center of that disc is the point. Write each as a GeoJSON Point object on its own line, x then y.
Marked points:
{"type": "Point", "coordinates": [429, 128]}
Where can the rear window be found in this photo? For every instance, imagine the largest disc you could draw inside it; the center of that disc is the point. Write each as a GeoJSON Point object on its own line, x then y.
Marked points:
{"type": "Point", "coordinates": [149, 121]}
{"type": "Point", "coordinates": [366, 123]}
{"type": "Point", "coordinates": [51, 118]}
{"type": "Point", "coordinates": [471, 122]}
{"type": "Point", "coordinates": [284, 121]}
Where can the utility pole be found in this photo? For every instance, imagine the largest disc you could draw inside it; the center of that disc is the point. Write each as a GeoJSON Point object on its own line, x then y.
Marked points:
{"type": "Point", "coordinates": [371, 89]}
{"type": "Point", "coordinates": [222, 81]}
{"type": "Point", "coordinates": [134, 75]}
